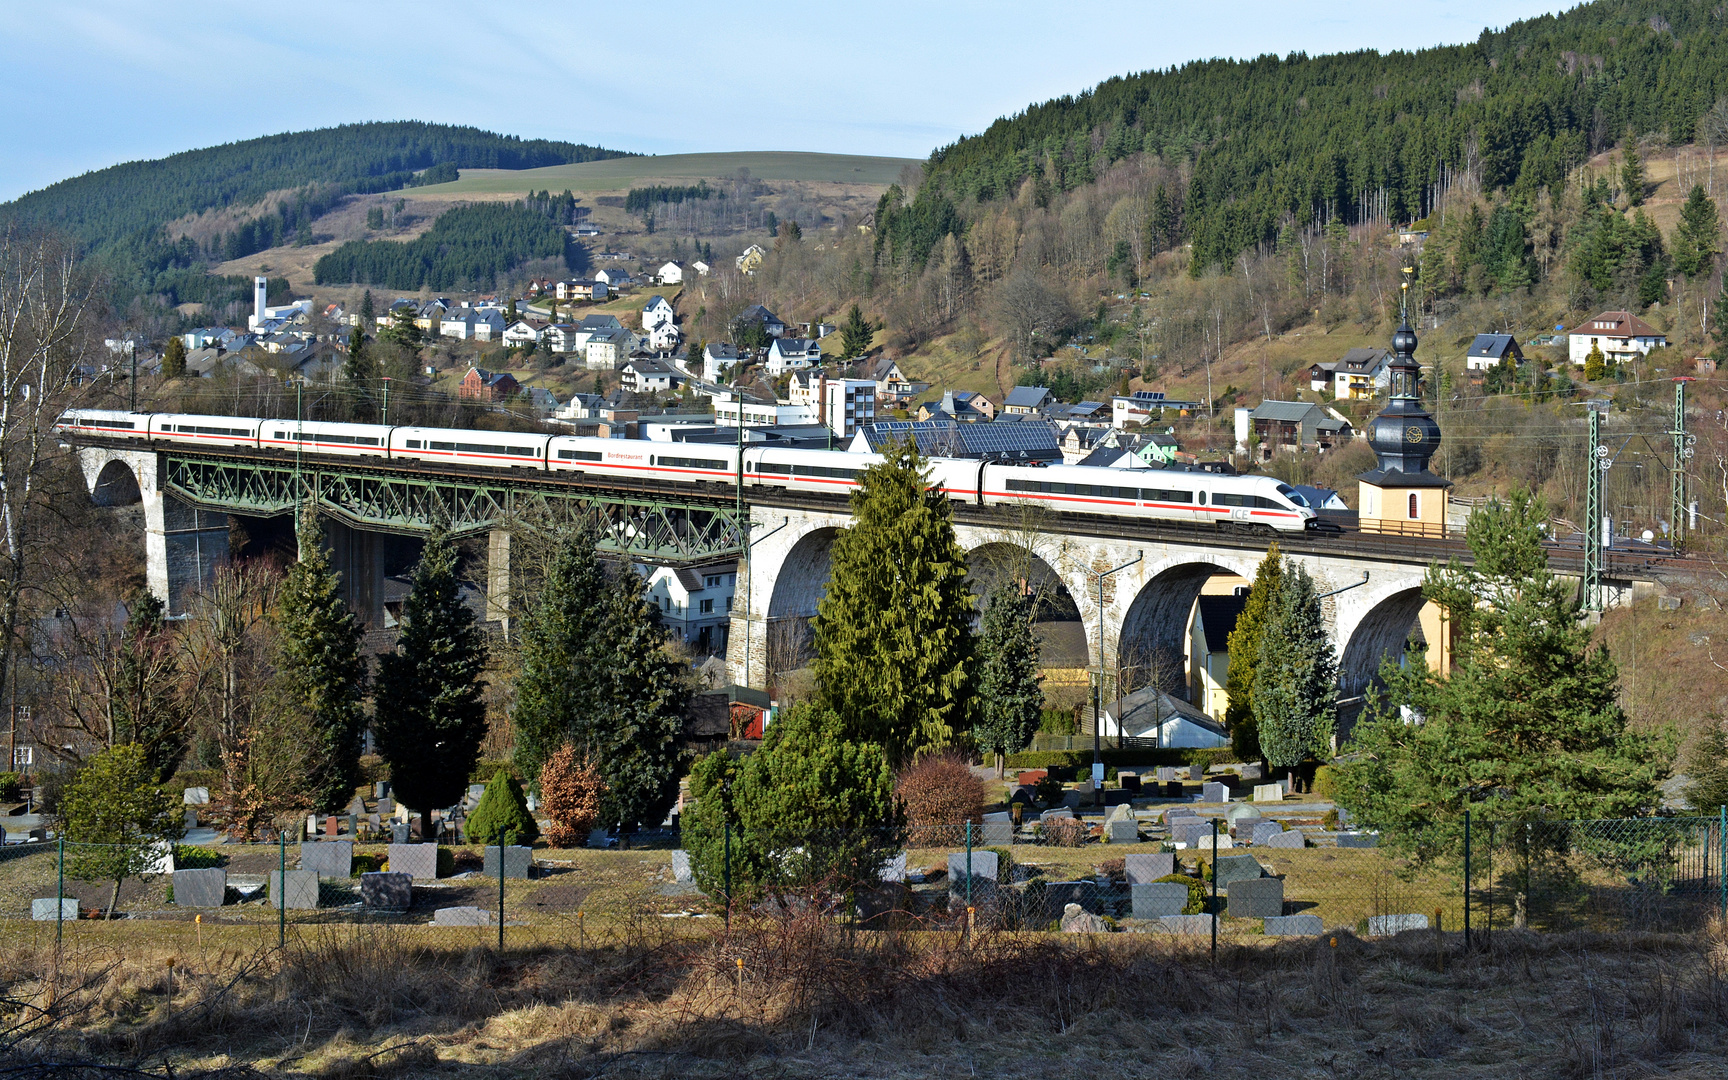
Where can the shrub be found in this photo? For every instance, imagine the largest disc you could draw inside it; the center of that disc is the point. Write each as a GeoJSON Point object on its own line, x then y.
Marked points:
{"type": "Point", "coordinates": [570, 792]}
{"type": "Point", "coordinates": [1326, 782]}
{"type": "Point", "coordinates": [8, 786]}
{"type": "Point", "coordinates": [502, 816]}
{"type": "Point", "coordinates": [1196, 904]}
{"type": "Point", "coordinates": [1114, 869]}
{"type": "Point", "coordinates": [1004, 864]}
{"type": "Point", "coordinates": [191, 857]}
{"type": "Point", "coordinates": [1066, 832]}
{"type": "Point", "coordinates": [1049, 791]}
{"type": "Point", "coordinates": [369, 862]}
{"type": "Point", "coordinates": [940, 795]}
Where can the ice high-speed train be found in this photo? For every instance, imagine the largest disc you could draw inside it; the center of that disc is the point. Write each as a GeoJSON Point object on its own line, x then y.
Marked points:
{"type": "Point", "coordinates": [1156, 494]}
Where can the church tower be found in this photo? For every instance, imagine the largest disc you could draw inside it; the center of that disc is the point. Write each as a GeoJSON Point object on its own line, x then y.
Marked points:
{"type": "Point", "coordinates": [1401, 495]}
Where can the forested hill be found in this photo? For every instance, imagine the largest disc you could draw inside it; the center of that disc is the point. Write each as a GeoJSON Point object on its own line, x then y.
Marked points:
{"type": "Point", "coordinates": [1356, 135]}
{"type": "Point", "coordinates": [116, 204]}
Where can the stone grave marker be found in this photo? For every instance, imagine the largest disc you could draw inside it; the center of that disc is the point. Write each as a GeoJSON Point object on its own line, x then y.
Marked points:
{"type": "Point", "coordinates": [1265, 830]}
{"type": "Point", "coordinates": [1256, 898]}
{"type": "Point", "coordinates": [1058, 895]}
{"type": "Point", "coordinates": [461, 916]}
{"type": "Point", "coordinates": [191, 818]}
{"type": "Point", "coordinates": [1209, 842]}
{"type": "Point", "coordinates": [1175, 812]}
{"type": "Point", "coordinates": [1157, 899]}
{"type": "Point", "coordinates": [1122, 830]}
{"type": "Point", "coordinates": [161, 858]}
{"type": "Point", "coordinates": [381, 789]}
{"type": "Point", "coordinates": [357, 808]}
{"type": "Point", "coordinates": [983, 875]}
{"type": "Point", "coordinates": [1191, 833]}
{"type": "Point", "coordinates": [1145, 868]}
{"type": "Point", "coordinates": [474, 793]}
{"type": "Point", "coordinates": [329, 858]}
{"type": "Point", "coordinates": [332, 826]}
{"type": "Point", "coordinates": [1268, 792]}
{"type": "Point", "coordinates": [998, 830]}
{"type": "Point", "coordinates": [1129, 781]}
{"type": "Point", "coordinates": [1173, 790]}
{"type": "Point", "coordinates": [415, 860]}
{"type": "Point", "coordinates": [1077, 920]}
{"type": "Point", "coordinates": [387, 891]}
{"type": "Point", "coordinates": [45, 910]}
{"type": "Point", "coordinates": [1294, 926]}
{"type": "Point", "coordinates": [1384, 925]}
{"type": "Point", "coordinates": [1252, 772]}
{"type": "Point", "coordinates": [1071, 799]}
{"type": "Point", "coordinates": [1024, 794]}
{"type": "Point", "coordinates": [1196, 772]}
{"type": "Point", "coordinates": [1166, 774]}
{"type": "Point", "coordinates": [1233, 868]}
{"type": "Point", "coordinates": [200, 888]}
{"type": "Point", "coordinates": [387, 807]}
{"type": "Point", "coordinates": [681, 866]}
{"type": "Point", "coordinates": [519, 862]}
{"type": "Point", "coordinates": [598, 838]}
{"type": "Point", "coordinates": [399, 832]}
{"type": "Point", "coordinates": [895, 869]}
{"type": "Point", "coordinates": [196, 796]}
{"type": "Point", "coordinates": [298, 889]}
{"type": "Point", "coordinates": [1214, 792]}
{"type": "Point", "coordinates": [1185, 924]}
{"type": "Point", "coordinates": [1291, 838]}
{"type": "Point", "coordinates": [1359, 840]}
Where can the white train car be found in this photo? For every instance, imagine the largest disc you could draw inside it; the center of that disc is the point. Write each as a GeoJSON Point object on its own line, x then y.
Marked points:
{"type": "Point", "coordinates": [203, 430]}
{"type": "Point", "coordinates": [806, 470]}
{"type": "Point", "coordinates": [111, 423]}
{"type": "Point", "coordinates": [488, 449]}
{"type": "Point", "coordinates": [1161, 494]}
{"type": "Point", "coordinates": [318, 437]}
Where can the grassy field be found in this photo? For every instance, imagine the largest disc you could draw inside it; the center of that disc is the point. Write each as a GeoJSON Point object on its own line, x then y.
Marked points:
{"type": "Point", "coordinates": [619, 173]}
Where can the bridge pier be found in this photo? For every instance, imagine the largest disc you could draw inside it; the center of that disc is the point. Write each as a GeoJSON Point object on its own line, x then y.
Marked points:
{"type": "Point", "coordinates": [182, 544]}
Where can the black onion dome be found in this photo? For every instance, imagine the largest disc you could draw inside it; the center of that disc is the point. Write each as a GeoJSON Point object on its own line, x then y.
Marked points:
{"type": "Point", "coordinates": [1404, 436]}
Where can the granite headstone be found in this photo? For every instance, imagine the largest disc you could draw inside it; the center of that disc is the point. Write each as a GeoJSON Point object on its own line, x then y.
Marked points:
{"type": "Point", "coordinates": [1268, 792]}
{"type": "Point", "coordinates": [1293, 925]}
{"type": "Point", "coordinates": [1214, 792]}
{"type": "Point", "coordinates": [895, 870]}
{"type": "Point", "coordinates": [1256, 898]}
{"type": "Point", "coordinates": [518, 862]}
{"type": "Point", "coordinates": [983, 874]}
{"type": "Point", "coordinates": [1232, 868]}
{"type": "Point", "coordinates": [195, 796]}
{"type": "Point", "coordinates": [387, 891]}
{"type": "Point", "coordinates": [1185, 924]}
{"type": "Point", "coordinates": [998, 830]}
{"type": "Point", "coordinates": [329, 858]}
{"type": "Point", "coordinates": [1265, 830]}
{"type": "Point", "coordinates": [1383, 925]}
{"type": "Point", "coordinates": [298, 889]}
{"type": "Point", "coordinates": [1157, 899]}
{"type": "Point", "coordinates": [46, 910]}
{"type": "Point", "coordinates": [1359, 840]}
{"type": "Point", "coordinates": [1143, 869]}
{"type": "Point", "coordinates": [200, 888]}
{"type": "Point", "coordinates": [461, 916]}
{"type": "Point", "coordinates": [419, 861]}
{"type": "Point", "coordinates": [1291, 838]}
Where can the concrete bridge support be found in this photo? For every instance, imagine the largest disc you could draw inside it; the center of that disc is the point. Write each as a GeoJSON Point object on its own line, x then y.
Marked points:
{"type": "Point", "coordinates": [182, 544]}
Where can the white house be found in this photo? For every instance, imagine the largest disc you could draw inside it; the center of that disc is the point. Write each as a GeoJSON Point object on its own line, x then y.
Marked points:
{"type": "Point", "coordinates": [606, 348]}
{"type": "Point", "coordinates": [1151, 713]}
{"type": "Point", "coordinates": [561, 338]}
{"type": "Point", "coordinates": [670, 273]}
{"type": "Point", "coordinates": [1361, 374]}
{"type": "Point", "coordinates": [1621, 335]}
{"type": "Point", "coordinates": [695, 602]}
{"type": "Point", "coordinates": [614, 276]}
{"type": "Point", "coordinates": [655, 312]}
{"type": "Point", "coordinates": [848, 405]}
{"type": "Point", "coordinates": [644, 375]}
{"type": "Point", "coordinates": [700, 267]}
{"type": "Point", "coordinates": [717, 357]}
{"type": "Point", "coordinates": [791, 354]}
{"type": "Point", "coordinates": [519, 333]}
{"type": "Point", "coordinates": [594, 324]}
{"type": "Point", "coordinates": [757, 415]}
{"type": "Point", "coordinates": [665, 338]}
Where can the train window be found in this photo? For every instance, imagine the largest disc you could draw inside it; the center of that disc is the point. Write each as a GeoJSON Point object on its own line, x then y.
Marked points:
{"type": "Point", "coordinates": [689, 463]}
{"type": "Point", "coordinates": [1167, 495]}
{"type": "Point", "coordinates": [580, 455]}
{"type": "Point", "coordinates": [1231, 498]}
{"type": "Point", "coordinates": [1292, 494]}
{"type": "Point", "coordinates": [1202, 498]}
{"type": "Point", "coordinates": [772, 467]}
{"type": "Point", "coordinates": [117, 425]}
{"type": "Point", "coordinates": [412, 444]}
{"type": "Point", "coordinates": [193, 429]}
{"type": "Point", "coordinates": [480, 448]}
{"type": "Point", "coordinates": [824, 470]}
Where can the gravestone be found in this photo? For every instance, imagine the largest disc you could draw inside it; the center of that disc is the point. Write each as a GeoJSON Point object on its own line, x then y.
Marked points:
{"type": "Point", "coordinates": [161, 858]}
{"type": "Point", "coordinates": [1196, 773]}
{"type": "Point", "coordinates": [298, 889]}
{"type": "Point", "coordinates": [1290, 839]}
{"type": "Point", "coordinates": [1265, 830]}
{"type": "Point", "coordinates": [598, 838]}
{"type": "Point", "coordinates": [387, 891]}
{"type": "Point", "coordinates": [1077, 920]}
{"type": "Point", "coordinates": [1128, 781]}
{"type": "Point", "coordinates": [1233, 868]}
{"type": "Point", "coordinates": [519, 862]}
{"type": "Point", "coordinates": [1175, 812]}
{"type": "Point", "coordinates": [1157, 899]}
{"type": "Point", "coordinates": [1173, 790]}
{"type": "Point", "coordinates": [200, 888]}
{"type": "Point", "coordinates": [381, 790]}
{"type": "Point", "coordinates": [1166, 774]}
{"type": "Point", "coordinates": [1024, 794]}
{"type": "Point", "coordinates": [983, 875]}
{"type": "Point", "coordinates": [387, 807]}
{"type": "Point", "coordinates": [1294, 926]}
{"type": "Point", "coordinates": [681, 866]}
{"type": "Point", "coordinates": [1252, 772]}
{"type": "Point", "coordinates": [1268, 792]}
{"type": "Point", "coordinates": [1185, 924]}
{"type": "Point", "coordinates": [415, 860]}
{"type": "Point", "coordinates": [1256, 898]}
{"type": "Point", "coordinates": [1122, 831]}
{"type": "Point", "coordinates": [1214, 792]}
{"type": "Point", "coordinates": [1191, 833]}
{"type": "Point", "coordinates": [191, 818]}
{"type": "Point", "coordinates": [1359, 840]}
{"type": "Point", "coordinates": [357, 808]}
{"type": "Point", "coordinates": [311, 825]}
{"type": "Point", "coordinates": [329, 858]}
{"type": "Point", "coordinates": [474, 793]}
{"type": "Point", "coordinates": [1030, 777]}
{"type": "Point", "coordinates": [1143, 869]}
{"type": "Point", "coordinates": [195, 796]}
{"type": "Point", "coordinates": [1343, 817]}
{"type": "Point", "coordinates": [1383, 925]}
{"type": "Point", "coordinates": [399, 833]}
{"type": "Point", "coordinates": [1210, 843]}
{"type": "Point", "coordinates": [461, 916]}
{"type": "Point", "coordinates": [1060, 895]}
{"type": "Point", "coordinates": [47, 911]}
{"type": "Point", "coordinates": [895, 870]}
{"type": "Point", "coordinates": [332, 826]}
{"type": "Point", "coordinates": [998, 830]}
{"type": "Point", "coordinates": [1071, 799]}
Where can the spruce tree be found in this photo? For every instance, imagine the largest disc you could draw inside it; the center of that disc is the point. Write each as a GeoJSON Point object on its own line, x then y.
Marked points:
{"type": "Point", "coordinates": [114, 804]}
{"type": "Point", "coordinates": [368, 314]}
{"type": "Point", "coordinates": [637, 733]}
{"type": "Point", "coordinates": [430, 718]}
{"type": "Point", "coordinates": [855, 334]}
{"type": "Point", "coordinates": [1696, 234]}
{"type": "Point", "coordinates": [501, 816]}
{"type": "Point", "coordinates": [174, 358]}
{"type": "Point", "coordinates": [893, 630]}
{"type": "Point", "coordinates": [322, 669]}
{"type": "Point", "coordinates": [1632, 172]}
{"type": "Point", "coordinates": [558, 684]}
{"type": "Point", "coordinates": [1295, 683]}
{"type": "Point", "coordinates": [1595, 364]}
{"type": "Point", "coordinates": [1528, 724]}
{"type": "Point", "coordinates": [1010, 704]}
{"type": "Point", "coordinates": [1244, 652]}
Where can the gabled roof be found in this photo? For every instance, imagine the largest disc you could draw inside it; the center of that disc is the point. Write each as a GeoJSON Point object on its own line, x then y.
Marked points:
{"type": "Point", "coordinates": [1362, 361]}
{"type": "Point", "coordinates": [1494, 345]}
{"type": "Point", "coordinates": [600, 322]}
{"type": "Point", "coordinates": [786, 346]}
{"type": "Point", "coordinates": [1619, 324]}
{"type": "Point", "coordinates": [649, 366]}
{"type": "Point", "coordinates": [1286, 411]}
{"type": "Point", "coordinates": [656, 301]}
{"type": "Point", "coordinates": [720, 350]}
{"type": "Point", "coordinates": [758, 313]}
{"type": "Point", "coordinates": [1027, 397]}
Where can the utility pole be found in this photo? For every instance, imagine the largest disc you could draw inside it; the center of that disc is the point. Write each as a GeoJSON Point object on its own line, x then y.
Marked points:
{"type": "Point", "coordinates": [1594, 541]}
{"type": "Point", "coordinates": [1682, 456]}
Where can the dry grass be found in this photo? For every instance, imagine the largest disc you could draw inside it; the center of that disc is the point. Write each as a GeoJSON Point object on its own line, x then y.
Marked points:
{"type": "Point", "coordinates": [809, 999]}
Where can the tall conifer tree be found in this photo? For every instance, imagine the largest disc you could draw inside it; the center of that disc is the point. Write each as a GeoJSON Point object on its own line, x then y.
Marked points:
{"type": "Point", "coordinates": [1295, 683]}
{"type": "Point", "coordinates": [174, 358]}
{"type": "Point", "coordinates": [430, 718]}
{"type": "Point", "coordinates": [558, 685]}
{"type": "Point", "coordinates": [1010, 704]}
{"type": "Point", "coordinates": [1244, 652]}
{"type": "Point", "coordinates": [321, 666]}
{"type": "Point", "coordinates": [893, 631]}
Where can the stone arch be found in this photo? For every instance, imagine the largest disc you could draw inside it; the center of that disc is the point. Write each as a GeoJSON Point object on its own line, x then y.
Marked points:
{"type": "Point", "coordinates": [115, 485]}
{"type": "Point", "coordinates": [799, 586]}
{"type": "Point", "coordinates": [1058, 623]}
{"type": "Point", "coordinates": [1152, 644]}
{"type": "Point", "coordinates": [1380, 633]}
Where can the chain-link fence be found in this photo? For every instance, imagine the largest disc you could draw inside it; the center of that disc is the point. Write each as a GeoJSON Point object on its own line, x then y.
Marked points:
{"type": "Point", "coordinates": [1170, 873]}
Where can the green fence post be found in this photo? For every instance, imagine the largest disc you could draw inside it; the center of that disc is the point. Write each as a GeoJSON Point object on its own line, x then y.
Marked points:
{"type": "Point", "coordinates": [501, 895]}
{"type": "Point", "coordinates": [282, 889]}
{"type": "Point", "coordinates": [1722, 859]}
{"type": "Point", "coordinates": [968, 864]}
{"type": "Point", "coordinates": [1214, 909]}
{"type": "Point", "coordinates": [60, 893]}
{"type": "Point", "coordinates": [726, 871]}
{"type": "Point", "coordinates": [1466, 880]}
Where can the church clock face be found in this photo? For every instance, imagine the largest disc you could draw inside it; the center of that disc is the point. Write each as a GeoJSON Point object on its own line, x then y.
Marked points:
{"type": "Point", "coordinates": [1413, 434]}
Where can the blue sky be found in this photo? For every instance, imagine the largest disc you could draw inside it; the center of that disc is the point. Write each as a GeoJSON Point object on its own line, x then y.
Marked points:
{"type": "Point", "coordinates": [91, 84]}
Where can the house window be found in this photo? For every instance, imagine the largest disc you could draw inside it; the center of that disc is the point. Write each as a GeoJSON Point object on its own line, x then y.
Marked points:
{"type": "Point", "coordinates": [707, 607]}
{"type": "Point", "coordinates": [1415, 506]}
{"type": "Point", "coordinates": [728, 603]}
